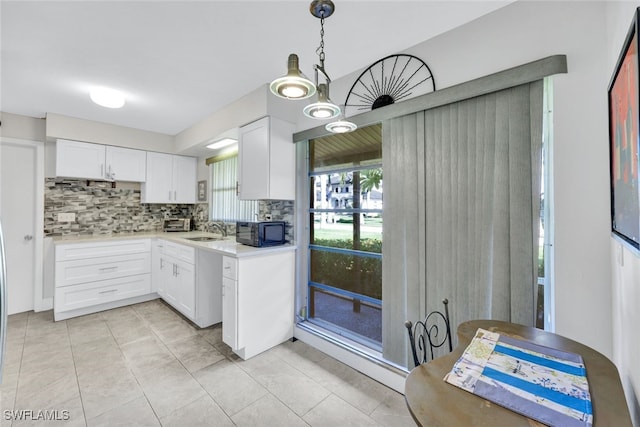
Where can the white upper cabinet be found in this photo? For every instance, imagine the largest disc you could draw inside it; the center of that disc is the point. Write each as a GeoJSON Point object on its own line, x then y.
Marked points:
{"type": "Point", "coordinates": [184, 179]}
{"type": "Point", "coordinates": [125, 164]}
{"type": "Point", "coordinates": [266, 160]}
{"type": "Point", "coordinates": [74, 159]}
{"type": "Point", "coordinates": [79, 160]}
{"type": "Point", "coordinates": [158, 186]}
{"type": "Point", "coordinates": [170, 179]}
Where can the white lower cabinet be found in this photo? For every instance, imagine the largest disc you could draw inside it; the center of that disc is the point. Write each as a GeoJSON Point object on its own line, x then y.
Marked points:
{"type": "Point", "coordinates": [178, 276]}
{"type": "Point", "coordinates": [181, 287]}
{"type": "Point", "coordinates": [208, 288]}
{"type": "Point", "coordinates": [257, 301]}
{"type": "Point", "coordinates": [94, 293]}
{"type": "Point", "coordinates": [189, 280]}
{"type": "Point", "coordinates": [156, 266]}
{"type": "Point", "coordinates": [98, 269]}
{"type": "Point", "coordinates": [229, 312]}
{"type": "Point", "coordinates": [253, 296]}
{"type": "Point", "coordinates": [89, 278]}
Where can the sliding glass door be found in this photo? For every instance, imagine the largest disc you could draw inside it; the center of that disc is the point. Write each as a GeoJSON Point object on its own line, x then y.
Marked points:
{"type": "Point", "coordinates": [345, 235]}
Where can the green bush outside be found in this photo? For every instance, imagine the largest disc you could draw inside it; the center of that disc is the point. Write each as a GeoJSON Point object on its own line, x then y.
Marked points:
{"type": "Point", "coordinates": [361, 275]}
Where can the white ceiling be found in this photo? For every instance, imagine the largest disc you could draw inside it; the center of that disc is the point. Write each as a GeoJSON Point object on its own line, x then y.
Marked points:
{"type": "Point", "coordinates": [178, 61]}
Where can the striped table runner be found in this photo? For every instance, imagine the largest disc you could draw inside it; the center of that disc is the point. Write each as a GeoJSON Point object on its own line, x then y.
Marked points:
{"type": "Point", "coordinates": [542, 383]}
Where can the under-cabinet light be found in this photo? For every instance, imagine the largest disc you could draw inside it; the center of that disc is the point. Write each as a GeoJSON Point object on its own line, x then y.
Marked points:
{"type": "Point", "coordinates": [225, 142]}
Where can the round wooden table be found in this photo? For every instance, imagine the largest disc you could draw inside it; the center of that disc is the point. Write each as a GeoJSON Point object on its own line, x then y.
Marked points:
{"type": "Point", "coordinates": [433, 402]}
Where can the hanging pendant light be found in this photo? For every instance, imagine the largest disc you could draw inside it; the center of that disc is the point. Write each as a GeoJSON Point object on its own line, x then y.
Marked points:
{"type": "Point", "coordinates": [294, 85]}
{"type": "Point", "coordinates": [341, 125]}
{"type": "Point", "coordinates": [324, 108]}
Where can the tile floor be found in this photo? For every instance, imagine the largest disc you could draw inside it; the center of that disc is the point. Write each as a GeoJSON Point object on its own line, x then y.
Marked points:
{"type": "Point", "coordinates": [145, 365]}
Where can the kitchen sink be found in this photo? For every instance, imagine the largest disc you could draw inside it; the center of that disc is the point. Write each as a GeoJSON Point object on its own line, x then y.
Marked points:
{"type": "Point", "coordinates": [203, 239]}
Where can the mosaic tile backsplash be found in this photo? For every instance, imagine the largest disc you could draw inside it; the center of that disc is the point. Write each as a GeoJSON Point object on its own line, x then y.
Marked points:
{"type": "Point", "coordinates": [100, 209]}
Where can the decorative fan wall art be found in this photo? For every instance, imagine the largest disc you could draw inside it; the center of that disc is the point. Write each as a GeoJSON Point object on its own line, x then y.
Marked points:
{"type": "Point", "coordinates": [389, 80]}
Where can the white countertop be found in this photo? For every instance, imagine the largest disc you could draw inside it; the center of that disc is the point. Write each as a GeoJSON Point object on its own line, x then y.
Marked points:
{"type": "Point", "coordinates": [225, 246]}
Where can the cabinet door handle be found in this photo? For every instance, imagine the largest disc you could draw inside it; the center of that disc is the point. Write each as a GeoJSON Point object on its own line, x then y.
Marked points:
{"type": "Point", "coordinates": [102, 170]}
{"type": "Point", "coordinates": [108, 269]}
{"type": "Point", "coordinates": [237, 188]}
{"type": "Point", "coordinates": [108, 292]}
{"type": "Point", "coordinates": [161, 263]}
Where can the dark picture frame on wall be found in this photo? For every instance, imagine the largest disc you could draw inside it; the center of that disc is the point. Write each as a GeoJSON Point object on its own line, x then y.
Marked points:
{"type": "Point", "coordinates": [202, 191]}
{"type": "Point", "coordinates": [624, 120]}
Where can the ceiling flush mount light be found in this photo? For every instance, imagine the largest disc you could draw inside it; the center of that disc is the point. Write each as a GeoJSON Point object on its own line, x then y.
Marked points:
{"type": "Point", "coordinates": [106, 97]}
{"type": "Point", "coordinates": [295, 86]}
{"type": "Point", "coordinates": [225, 142]}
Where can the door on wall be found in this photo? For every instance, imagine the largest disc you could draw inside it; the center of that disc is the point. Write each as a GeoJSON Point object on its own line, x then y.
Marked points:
{"type": "Point", "coordinates": [21, 213]}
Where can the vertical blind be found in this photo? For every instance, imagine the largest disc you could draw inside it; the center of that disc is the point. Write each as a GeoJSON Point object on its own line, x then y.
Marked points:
{"type": "Point", "coordinates": [462, 187]}
{"type": "Point", "coordinates": [224, 205]}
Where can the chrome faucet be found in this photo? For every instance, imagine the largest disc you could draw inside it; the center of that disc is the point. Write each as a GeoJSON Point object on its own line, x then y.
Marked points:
{"type": "Point", "coordinates": [222, 228]}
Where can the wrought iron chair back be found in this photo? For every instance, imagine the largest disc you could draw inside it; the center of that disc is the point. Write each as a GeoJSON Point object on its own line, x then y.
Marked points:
{"type": "Point", "coordinates": [428, 334]}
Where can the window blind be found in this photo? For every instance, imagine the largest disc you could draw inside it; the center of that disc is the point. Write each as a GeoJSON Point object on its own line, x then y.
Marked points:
{"type": "Point", "coordinates": [224, 205]}
{"type": "Point", "coordinates": [462, 186]}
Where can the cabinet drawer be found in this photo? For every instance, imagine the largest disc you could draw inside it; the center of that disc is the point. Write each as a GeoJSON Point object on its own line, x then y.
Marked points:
{"type": "Point", "coordinates": [178, 251]}
{"type": "Point", "coordinates": [89, 270]}
{"type": "Point", "coordinates": [73, 251]}
{"type": "Point", "coordinates": [88, 294]}
{"type": "Point", "coordinates": [230, 268]}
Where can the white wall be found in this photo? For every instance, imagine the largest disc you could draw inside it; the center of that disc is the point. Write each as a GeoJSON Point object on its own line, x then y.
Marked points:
{"type": "Point", "coordinates": [59, 126]}
{"type": "Point", "coordinates": [626, 319]}
{"type": "Point", "coordinates": [246, 109]}
{"type": "Point", "coordinates": [625, 263]}
{"type": "Point", "coordinates": [22, 127]}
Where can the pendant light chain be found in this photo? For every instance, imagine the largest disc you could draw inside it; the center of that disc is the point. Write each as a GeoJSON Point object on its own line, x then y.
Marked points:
{"type": "Point", "coordinates": [320, 49]}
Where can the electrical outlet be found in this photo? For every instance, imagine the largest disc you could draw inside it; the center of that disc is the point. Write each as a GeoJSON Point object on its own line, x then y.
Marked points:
{"type": "Point", "coordinates": [66, 217]}
{"type": "Point", "coordinates": [267, 217]}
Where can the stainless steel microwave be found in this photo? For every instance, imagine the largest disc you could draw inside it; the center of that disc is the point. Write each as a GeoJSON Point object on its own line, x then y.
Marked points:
{"type": "Point", "coordinates": [260, 234]}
